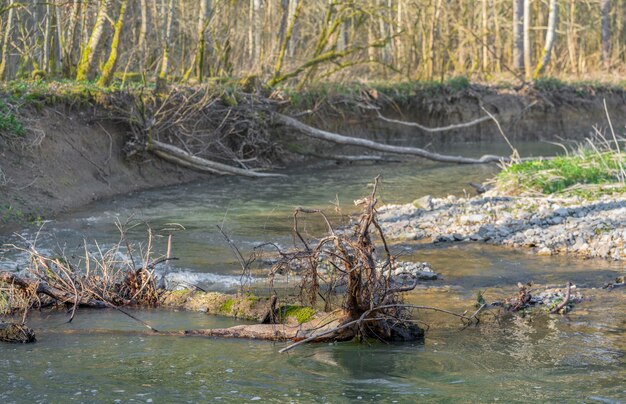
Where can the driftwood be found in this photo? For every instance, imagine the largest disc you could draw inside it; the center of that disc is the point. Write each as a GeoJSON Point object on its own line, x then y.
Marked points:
{"type": "Point", "coordinates": [350, 158]}
{"type": "Point", "coordinates": [179, 156]}
{"type": "Point", "coordinates": [437, 129]}
{"type": "Point", "coordinates": [42, 288]}
{"type": "Point", "coordinates": [385, 148]}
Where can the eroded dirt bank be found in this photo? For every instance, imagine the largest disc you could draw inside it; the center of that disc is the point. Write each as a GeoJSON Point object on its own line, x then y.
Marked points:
{"type": "Point", "coordinates": [73, 154]}
{"type": "Point", "coordinates": [70, 158]}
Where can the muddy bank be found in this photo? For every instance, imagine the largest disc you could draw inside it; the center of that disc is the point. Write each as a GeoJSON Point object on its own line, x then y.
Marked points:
{"type": "Point", "coordinates": [558, 115]}
{"type": "Point", "coordinates": [545, 225]}
{"type": "Point", "coordinates": [75, 153]}
{"type": "Point", "coordinates": [69, 158]}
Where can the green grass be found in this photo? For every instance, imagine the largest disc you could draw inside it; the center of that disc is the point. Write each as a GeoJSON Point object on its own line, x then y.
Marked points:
{"type": "Point", "coordinates": [564, 173]}
{"type": "Point", "coordinates": [227, 306]}
{"type": "Point", "coordinates": [301, 313]}
{"type": "Point", "coordinates": [9, 123]}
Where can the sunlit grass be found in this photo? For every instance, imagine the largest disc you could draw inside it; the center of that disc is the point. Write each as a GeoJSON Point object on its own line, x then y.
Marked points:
{"type": "Point", "coordinates": [584, 172]}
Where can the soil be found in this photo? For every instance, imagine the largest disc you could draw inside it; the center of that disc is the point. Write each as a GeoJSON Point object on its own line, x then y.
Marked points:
{"type": "Point", "coordinates": [74, 155]}
{"type": "Point", "coordinates": [68, 159]}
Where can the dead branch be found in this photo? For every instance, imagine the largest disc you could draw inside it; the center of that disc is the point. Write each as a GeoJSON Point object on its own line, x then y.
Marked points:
{"type": "Point", "coordinates": [385, 148]}
{"type": "Point", "coordinates": [54, 293]}
{"type": "Point", "coordinates": [565, 301]}
{"type": "Point", "coordinates": [437, 129]}
{"type": "Point", "coordinates": [350, 158]}
{"type": "Point", "coordinates": [179, 156]}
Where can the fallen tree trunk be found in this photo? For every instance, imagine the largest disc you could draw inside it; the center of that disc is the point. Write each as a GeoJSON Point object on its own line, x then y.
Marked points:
{"type": "Point", "coordinates": [181, 157]}
{"type": "Point", "coordinates": [369, 144]}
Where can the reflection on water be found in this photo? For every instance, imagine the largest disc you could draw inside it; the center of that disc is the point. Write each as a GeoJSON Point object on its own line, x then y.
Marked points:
{"type": "Point", "coordinates": [545, 359]}
{"type": "Point", "coordinates": [105, 357]}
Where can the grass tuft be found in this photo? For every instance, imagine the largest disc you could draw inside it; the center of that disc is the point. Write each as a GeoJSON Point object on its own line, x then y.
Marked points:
{"type": "Point", "coordinates": [302, 314]}
{"type": "Point", "coordinates": [565, 174]}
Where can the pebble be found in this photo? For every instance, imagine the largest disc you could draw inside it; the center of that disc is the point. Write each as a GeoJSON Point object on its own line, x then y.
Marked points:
{"type": "Point", "coordinates": [549, 225]}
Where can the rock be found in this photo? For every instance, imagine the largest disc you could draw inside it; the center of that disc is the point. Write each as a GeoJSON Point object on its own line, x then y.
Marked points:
{"type": "Point", "coordinates": [472, 219]}
{"type": "Point", "coordinates": [544, 251]}
{"type": "Point", "coordinates": [425, 202]}
{"type": "Point", "coordinates": [555, 220]}
{"type": "Point", "coordinates": [421, 270]}
{"type": "Point", "coordinates": [563, 212]}
{"type": "Point", "coordinates": [442, 239]}
{"type": "Point", "coordinates": [529, 233]}
{"type": "Point", "coordinates": [457, 237]}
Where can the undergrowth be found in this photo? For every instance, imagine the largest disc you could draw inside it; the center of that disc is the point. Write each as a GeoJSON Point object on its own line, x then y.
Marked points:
{"type": "Point", "coordinates": [9, 123]}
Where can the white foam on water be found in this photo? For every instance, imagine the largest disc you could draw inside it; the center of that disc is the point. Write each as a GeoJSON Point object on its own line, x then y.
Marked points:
{"type": "Point", "coordinates": [183, 279]}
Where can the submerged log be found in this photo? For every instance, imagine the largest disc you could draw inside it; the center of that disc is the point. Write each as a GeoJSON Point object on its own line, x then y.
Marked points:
{"type": "Point", "coordinates": [16, 333]}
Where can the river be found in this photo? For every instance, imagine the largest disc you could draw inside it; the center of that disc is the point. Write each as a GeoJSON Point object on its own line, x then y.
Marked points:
{"type": "Point", "coordinates": [102, 356]}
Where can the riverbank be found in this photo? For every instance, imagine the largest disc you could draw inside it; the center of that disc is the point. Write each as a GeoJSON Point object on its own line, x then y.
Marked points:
{"type": "Point", "coordinates": [63, 145]}
{"type": "Point", "coordinates": [548, 225]}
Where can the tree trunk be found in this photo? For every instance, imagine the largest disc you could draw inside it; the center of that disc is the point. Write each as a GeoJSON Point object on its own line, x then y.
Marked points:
{"type": "Point", "coordinates": [385, 148]}
{"type": "Point", "coordinates": [143, 33]}
{"type": "Point", "coordinates": [203, 25]}
{"type": "Point", "coordinates": [606, 32]}
{"type": "Point", "coordinates": [68, 45]}
{"type": "Point", "coordinates": [293, 6]}
{"type": "Point", "coordinates": [572, 42]}
{"type": "Point", "coordinates": [109, 68]}
{"type": "Point", "coordinates": [257, 28]}
{"type": "Point", "coordinates": [518, 35]}
{"type": "Point", "coordinates": [84, 70]}
{"type": "Point", "coordinates": [8, 31]}
{"type": "Point", "coordinates": [167, 39]}
{"type": "Point", "coordinates": [527, 50]}
{"type": "Point", "coordinates": [59, 41]}
{"type": "Point", "coordinates": [550, 37]}
{"type": "Point", "coordinates": [47, 39]}
{"type": "Point", "coordinates": [485, 36]}
{"type": "Point", "coordinates": [285, 43]}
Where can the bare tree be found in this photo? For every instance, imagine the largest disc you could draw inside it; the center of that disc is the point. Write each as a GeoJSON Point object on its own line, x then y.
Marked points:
{"type": "Point", "coordinates": [167, 43]}
{"type": "Point", "coordinates": [518, 34]}
{"type": "Point", "coordinates": [8, 31]}
{"type": "Point", "coordinates": [527, 50]}
{"type": "Point", "coordinates": [606, 32]}
{"type": "Point", "coordinates": [203, 24]}
{"type": "Point", "coordinates": [550, 37]}
{"type": "Point", "coordinates": [109, 68]}
{"type": "Point", "coordinates": [85, 67]}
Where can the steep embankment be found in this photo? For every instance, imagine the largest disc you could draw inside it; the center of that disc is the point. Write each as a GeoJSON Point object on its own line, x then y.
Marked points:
{"type": "Point", "coordinates": [73, 153]}
{"type": "Point", "coordinates": [69, 158]}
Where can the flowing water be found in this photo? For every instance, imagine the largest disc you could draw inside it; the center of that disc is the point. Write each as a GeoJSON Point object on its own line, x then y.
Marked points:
{"type": "Point", "coordinates": [102, 356]}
